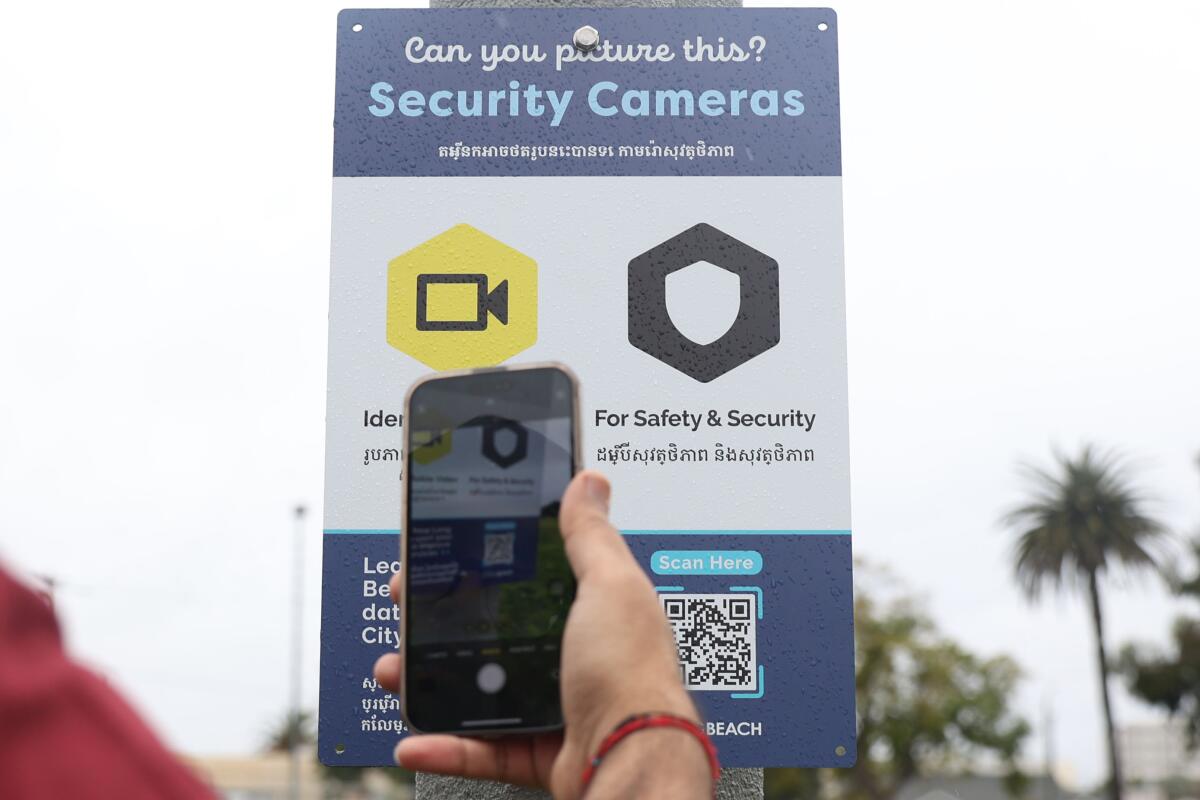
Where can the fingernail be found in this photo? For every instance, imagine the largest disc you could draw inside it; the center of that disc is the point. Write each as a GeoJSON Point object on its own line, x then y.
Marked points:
{"type": "Point", "coordinates": [597, 489]}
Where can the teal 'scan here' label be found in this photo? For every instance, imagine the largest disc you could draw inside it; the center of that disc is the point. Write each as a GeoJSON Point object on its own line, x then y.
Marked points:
{"type": "Point", "coordinates": [706, 562]}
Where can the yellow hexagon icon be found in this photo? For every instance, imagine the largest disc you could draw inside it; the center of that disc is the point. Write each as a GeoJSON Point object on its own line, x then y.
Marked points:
{"type": "Point", "coordinates": [462, 299]}
{"type": "Point", "coordinates": [429, 446]}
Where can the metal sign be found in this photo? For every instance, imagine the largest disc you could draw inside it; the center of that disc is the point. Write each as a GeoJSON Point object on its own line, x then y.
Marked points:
{"type": "Point", "coordinates": [663, 213]}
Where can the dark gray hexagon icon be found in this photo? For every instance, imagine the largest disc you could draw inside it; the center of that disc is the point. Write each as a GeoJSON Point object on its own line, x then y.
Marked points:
{"type": "Point", "coordinates": [520, 448]}
{"type": "Point", "coordinates": [755, 329]}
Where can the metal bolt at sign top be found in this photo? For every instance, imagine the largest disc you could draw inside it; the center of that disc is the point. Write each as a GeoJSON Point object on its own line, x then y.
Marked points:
{"type": "Point", "coordinates": [586, 39]}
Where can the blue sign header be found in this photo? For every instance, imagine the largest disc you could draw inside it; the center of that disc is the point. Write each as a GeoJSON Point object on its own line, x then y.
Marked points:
{"type": "Point", "coordinates": [666, 92]}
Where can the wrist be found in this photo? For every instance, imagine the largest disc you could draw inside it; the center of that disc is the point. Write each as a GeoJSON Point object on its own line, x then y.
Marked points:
{"type": "Point", "coordinates": [662, 763]}
{"type": "Point", "coordinates": [674, 701]}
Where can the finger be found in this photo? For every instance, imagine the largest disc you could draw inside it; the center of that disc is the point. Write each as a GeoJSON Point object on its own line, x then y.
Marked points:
{"type": "Point", "coordinates": [387, 671]}
{"type": "Point", "coordinates": [394, 583]}
{"type": "Point", "coordinates": [507, 760]}
{"type": "Point", "coordinates": [592, 543]}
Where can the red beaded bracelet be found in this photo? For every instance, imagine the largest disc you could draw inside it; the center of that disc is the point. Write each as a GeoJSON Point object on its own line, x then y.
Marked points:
{"type": "Point", "coordinates": [640, 722]}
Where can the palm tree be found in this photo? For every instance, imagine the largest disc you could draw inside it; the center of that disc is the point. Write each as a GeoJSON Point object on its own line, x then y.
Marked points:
{"type": "Point", "coordinates": [1082, 520]}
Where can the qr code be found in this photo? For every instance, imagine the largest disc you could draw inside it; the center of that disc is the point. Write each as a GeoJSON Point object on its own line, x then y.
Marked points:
{"type": "Point", "coordinates": [498, 549]}
{"type": "Point", "coordinates": [716, 638]}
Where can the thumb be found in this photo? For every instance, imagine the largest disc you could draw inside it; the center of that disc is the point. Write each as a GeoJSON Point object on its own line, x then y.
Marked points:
{"type": "Point", "coordinates": [593, 545]}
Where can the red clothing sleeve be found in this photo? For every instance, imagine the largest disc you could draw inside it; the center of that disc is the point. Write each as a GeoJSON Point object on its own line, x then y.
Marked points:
{"type": "Point", "coordinates": [64, 733]}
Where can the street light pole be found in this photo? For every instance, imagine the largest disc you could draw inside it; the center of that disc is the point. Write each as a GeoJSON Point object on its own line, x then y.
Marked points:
{"type": "Point", "coordinates": [735, 784]}
{"type": "Point", "coordinates": [293, 721]}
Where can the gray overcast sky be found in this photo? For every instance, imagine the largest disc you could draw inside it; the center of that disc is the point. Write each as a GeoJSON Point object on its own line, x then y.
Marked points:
{"type": "Point", "coordinates": [1022, 191]}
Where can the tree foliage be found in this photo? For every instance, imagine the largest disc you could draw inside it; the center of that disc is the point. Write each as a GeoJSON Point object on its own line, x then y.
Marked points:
{"type": "Point", "coordinates": [1170, 679]}
{"type": "Point", "coordinates": [1082, 520]}
{"type": "Point", "coordinates": [300, 725]}
{"type": "Point", "coordinates": [924, 702]}
{"type": "Point", "coordinates": [295, 727]}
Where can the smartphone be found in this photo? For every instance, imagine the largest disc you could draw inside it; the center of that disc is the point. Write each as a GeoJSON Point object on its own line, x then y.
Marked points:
{"type": "Point", "coordinates": [486, 583]}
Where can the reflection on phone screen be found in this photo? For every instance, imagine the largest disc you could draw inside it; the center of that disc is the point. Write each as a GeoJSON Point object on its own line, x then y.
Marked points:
{"type": "Point", "coordinates": [488, 584]}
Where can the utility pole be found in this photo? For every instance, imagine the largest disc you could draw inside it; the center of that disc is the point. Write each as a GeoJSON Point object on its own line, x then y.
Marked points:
{"type": "Point", "coordinates": [293, 721]}
{"type": "Point", "coordinates": [735, 784]}
{"type": "Point", "coordinates": [1051, 790]}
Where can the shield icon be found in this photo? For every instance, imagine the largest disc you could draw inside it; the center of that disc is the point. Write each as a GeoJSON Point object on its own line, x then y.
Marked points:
{"type": "Point", "coordinates": [703, 301]}
{"type": "Point", "coordinates": [652, 324]}
{"type": "Point", "coordinates": [505, 442]}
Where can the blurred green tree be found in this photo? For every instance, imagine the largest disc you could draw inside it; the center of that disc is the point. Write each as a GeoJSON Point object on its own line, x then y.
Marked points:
{"type": "Point", "coordinates": [1082, 519]}
{"type": "Point", "coordinates": [924, 704]}
{"type": "Point", "coordinates": [1171, 679]}
{"type": "Point", "coordinates": [297, 724]}
{"type": "Point", "coordinates": [301, 725]}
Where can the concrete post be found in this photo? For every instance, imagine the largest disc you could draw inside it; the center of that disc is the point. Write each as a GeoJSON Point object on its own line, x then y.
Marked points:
{"type": "Point", "coordinates": [736, 784]}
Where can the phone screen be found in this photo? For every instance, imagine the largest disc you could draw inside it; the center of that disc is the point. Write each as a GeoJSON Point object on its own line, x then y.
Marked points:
{"type": "Point", "coordinates": [488, 586]}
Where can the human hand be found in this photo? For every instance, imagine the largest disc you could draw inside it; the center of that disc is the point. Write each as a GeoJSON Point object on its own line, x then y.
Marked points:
{"type": "Point", "coordinates": [618, 659]}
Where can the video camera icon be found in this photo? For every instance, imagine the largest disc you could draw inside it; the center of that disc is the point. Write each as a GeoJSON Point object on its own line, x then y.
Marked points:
{"type": "Point", "coordinates": [494, 302]}
{"type": "Point", "coordinates": [462, 299]}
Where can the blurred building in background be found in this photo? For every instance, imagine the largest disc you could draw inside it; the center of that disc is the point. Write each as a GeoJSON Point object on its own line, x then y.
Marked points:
{"type": "Point", "coordinates": [264, 776]}
{"type": "Point", "coordinates": [981, 787]}
{"type": "Point", "coordinates": [1158, 762]}
{"type": "Point", "coordinates": [1157, 752]}
{"type": "Point", "coordinates": [260, 776]}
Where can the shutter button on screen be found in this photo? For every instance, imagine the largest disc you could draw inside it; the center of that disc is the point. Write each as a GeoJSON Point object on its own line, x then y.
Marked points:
{"type": "Point", "coordinates": [491, 678]}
